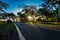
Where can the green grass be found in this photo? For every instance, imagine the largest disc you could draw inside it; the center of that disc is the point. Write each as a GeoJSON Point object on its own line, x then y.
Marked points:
{"type": "Point", "coordinates": [4, 27]}
{"type": "Point", "coordinates": [53, 24]}
{"type": "Point", "coordinates": [41, 24]}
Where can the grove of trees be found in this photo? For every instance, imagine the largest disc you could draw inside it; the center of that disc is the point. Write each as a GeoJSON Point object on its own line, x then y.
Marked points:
{"type": "Point", "coordinates": [49, 9]}
{"type": "Point", "coordinates": [3, 7]}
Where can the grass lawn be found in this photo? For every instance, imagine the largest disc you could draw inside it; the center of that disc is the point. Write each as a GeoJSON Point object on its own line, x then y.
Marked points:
{"type": "Point", "coordinates": [6, 30]}
{"type": "Point", "coordinates": [51, 25]}
{"type": "Point", "coordinates": [4, 27]}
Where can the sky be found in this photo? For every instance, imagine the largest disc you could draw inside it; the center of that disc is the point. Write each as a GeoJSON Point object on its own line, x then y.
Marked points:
{"type": "Point", "coordinates": [13, 4]}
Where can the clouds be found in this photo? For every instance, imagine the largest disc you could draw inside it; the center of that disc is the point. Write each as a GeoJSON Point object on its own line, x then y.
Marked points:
{"type": "Point", "coordinates": [17, 10]}
{"type": "Point", "coordinates": [13, 4]}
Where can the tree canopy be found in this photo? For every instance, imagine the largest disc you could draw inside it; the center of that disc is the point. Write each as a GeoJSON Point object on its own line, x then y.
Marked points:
{"type": "Point", "coordinates": [3, 6]}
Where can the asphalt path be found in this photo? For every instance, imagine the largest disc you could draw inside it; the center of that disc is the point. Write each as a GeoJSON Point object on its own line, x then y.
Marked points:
{"type": "Point", "coordinates": [14, 35]}
{"type": "Point", "coordinates": [35, 33]}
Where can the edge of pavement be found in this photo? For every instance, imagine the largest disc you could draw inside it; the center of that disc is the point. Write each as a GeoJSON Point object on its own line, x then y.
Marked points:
{"type": "Point", "coordinates": [21, 37]}
{"type": "Point", "coordinates": [46, 26]}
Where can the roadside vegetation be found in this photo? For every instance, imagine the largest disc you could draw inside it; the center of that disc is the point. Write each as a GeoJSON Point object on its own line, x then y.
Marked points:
{"type": "Point", "coordinates": [4, 27]}
{"type": "Point", "coordinates": [50, 23]}
{"type": "Point", "coordinates": [6, 30]}
{"type": "Point", "coordinates": [48, 14]}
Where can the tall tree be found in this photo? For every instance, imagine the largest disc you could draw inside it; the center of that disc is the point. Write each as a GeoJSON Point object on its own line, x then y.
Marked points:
{"type": "Point", "coordinates": [3, 6]}
{"type": "Point", "coordinates": [28, 10]}
{"type": "Point", "coordinates": [58, 10]}
{"type": "Point", "coordinates": [11, 15]}
{"type": "Point", "coordinates": [22, 16]}
{"type": "Point", "coordinates": [50, 5]}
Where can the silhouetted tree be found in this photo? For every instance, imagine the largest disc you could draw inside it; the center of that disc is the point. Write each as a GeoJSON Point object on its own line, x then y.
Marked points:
{"type": "Point", "coordinates": [28, 10]}
{"type": "Point", "coordinates": [49, 5]}
{"type": "Point", "coordinates": [11, 15]}
{"type": "Point", "coordinates": [3, 6]}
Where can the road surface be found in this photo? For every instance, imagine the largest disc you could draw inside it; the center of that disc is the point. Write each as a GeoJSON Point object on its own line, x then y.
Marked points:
{"type": "Point", "coordinates": [35, 33]}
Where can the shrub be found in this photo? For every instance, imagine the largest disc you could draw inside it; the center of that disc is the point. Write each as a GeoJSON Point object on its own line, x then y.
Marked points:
{"type": "Point", "coordinates": [9, 21]}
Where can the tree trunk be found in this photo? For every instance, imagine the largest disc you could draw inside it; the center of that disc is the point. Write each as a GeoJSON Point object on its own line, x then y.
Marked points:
{"type": "Point", "coordinates": [57, 16]}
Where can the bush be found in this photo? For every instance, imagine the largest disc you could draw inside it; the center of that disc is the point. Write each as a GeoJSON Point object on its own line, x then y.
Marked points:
{"type": "Point", "coordinates": [9, 21]}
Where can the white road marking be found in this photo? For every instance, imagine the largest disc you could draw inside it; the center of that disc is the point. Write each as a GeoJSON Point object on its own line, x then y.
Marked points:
{"type": "Point", "coordinates": [21, 37]}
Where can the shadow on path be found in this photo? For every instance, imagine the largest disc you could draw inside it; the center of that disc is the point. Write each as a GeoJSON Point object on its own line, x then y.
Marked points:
{"type": "Point", "coordinates": [37, 33]}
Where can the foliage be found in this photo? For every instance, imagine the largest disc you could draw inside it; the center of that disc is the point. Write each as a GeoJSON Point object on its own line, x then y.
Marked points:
{"type": "Point", "coordinates": [4, 27]}
{"type": "Point", "coordinates": [28, 10]}
{"type": "Point", "coordinates": [11, 15]}
{"type": "Point", "coordinates": [3, 6]}
{"type": "Point", "coordinates": [9, 21]}
{"type": "Point", "coordinates": [20, 14]}
{"type": "Point", "coordinates": [51, 6]}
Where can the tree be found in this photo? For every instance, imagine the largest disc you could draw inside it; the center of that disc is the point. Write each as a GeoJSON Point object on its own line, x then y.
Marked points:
{"type": "Point", "coordinates": [28, 10]}
{"type": "Point", "coordinates": [47, 13]}
{"type": "Point", "coordinates": [22, 16]}
{"type": "Point", "coordinates": [58, 2]}
{"type": "Point", "coordinates": [11, 15]}
{"type": "Point", "coordinates": [49, 5]}
{"type": "Point", "coordinates": [3, 6]}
